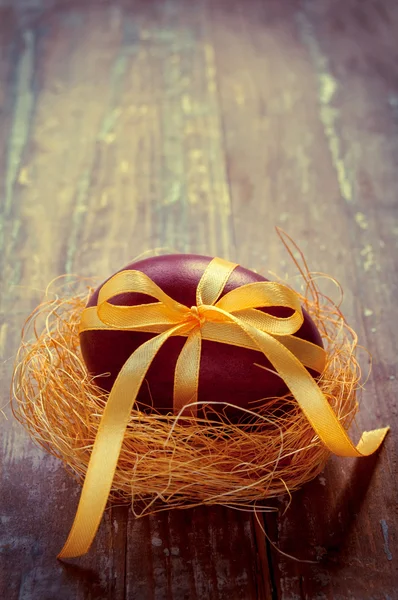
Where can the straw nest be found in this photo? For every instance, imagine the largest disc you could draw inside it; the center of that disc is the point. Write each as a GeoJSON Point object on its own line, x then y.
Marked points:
{"type": "Point", "coordinates": [185, 462]}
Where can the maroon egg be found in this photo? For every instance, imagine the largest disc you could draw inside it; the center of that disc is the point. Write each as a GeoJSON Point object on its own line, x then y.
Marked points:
{"type": "Point", "coordinates": [227, 373]}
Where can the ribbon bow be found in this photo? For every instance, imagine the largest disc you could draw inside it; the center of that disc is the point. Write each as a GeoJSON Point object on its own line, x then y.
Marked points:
{"type": "Point", "coordinates": [232, 319]}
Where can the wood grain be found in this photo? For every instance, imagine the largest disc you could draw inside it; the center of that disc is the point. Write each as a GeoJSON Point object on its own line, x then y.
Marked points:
{"type": "Point", "coordinates": [199, 127]}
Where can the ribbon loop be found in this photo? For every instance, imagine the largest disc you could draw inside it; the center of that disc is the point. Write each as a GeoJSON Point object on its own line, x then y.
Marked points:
{"type": "Point", "coordinates": [261, 294]}
{"type": "Point", "coordinates": [137, 282]}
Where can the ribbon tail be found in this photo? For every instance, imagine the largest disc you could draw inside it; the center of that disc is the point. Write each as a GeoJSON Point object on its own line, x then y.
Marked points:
{"type": "Point", "coordinates": [186, 378]}
{"type": "Point", "coordinates": [311, 399]}
{"type": "Point", "coordinates": [107, 446]}
{"type": "Point", "coordinates": [371, 440]}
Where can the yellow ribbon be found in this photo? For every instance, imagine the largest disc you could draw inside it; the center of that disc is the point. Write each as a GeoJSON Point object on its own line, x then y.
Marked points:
{"type": "Point", "coordinates": [232, 319]}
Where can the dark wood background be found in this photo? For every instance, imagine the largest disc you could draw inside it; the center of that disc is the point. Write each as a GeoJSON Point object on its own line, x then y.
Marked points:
{"type": "Point", "coordinates": [199, 126]}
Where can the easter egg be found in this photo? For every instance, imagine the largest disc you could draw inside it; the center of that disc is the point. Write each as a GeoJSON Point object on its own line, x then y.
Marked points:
{"type": "Point", "coordinates": [227, 374]}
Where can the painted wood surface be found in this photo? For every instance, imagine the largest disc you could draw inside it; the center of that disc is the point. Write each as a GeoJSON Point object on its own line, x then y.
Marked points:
{"type": "Point", "coordinates": [199, 127]}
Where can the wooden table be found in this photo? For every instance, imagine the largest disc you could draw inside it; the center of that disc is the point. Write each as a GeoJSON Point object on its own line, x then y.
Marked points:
{"type": "Point", "coordinates": [199, 126]}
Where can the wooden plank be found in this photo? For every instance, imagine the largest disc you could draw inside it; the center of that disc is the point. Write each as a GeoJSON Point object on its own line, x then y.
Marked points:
{"type": "Point", "coordinates": [308, 101]}
{"type": "Point", "coordinates": [113, 146]}
{"type": "Point", "coordinates": [199, 553]}
{"type": "Point", "coordinates": [47, 152]}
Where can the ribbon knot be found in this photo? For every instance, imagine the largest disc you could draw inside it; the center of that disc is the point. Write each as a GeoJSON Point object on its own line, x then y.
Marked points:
{"type": "Point", "coordinates": [197, 314]}
{"type": "Point", "coordinates": [232, 319]}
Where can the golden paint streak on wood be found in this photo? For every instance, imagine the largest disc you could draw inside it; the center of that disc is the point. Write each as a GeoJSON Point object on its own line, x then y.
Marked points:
{"type": "Point", "coordinates": [213, 201]}
{"type": "Point", "coordinates": [220, 188]}
{"type": "Point", "coordinates": [327, 88]}
{"type": "Point", "coordinates": [21, 118]}
{"type": "Point", "coordinates": [361, 220]}
{"type": "Point", "coordinates": [125, 179]}
{"type": "Point", "coordinates": [60, 169]}
{"type": "Point", "coordinates": [367, 253]}
{"type": "Point", "coordinates": [151, 175]}
{"type": "Point", "coordinates": [3, 339]}
{"type": "Point", "coordinates": [154, 174]}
